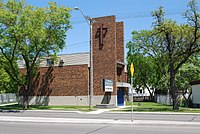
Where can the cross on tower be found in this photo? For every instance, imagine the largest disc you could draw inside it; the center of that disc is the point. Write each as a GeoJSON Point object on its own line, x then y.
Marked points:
{"type": "Point", "coordinates": [101, 33]}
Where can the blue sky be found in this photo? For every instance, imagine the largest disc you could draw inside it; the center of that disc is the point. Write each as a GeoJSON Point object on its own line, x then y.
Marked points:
{"type": "Point", "coordinates": [136, 15]}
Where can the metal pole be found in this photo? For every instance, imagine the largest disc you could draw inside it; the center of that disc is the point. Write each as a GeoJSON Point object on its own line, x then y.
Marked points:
{"type": "Point", "coordinates": [132, 99]}
{"type": "Point", "coordinates": [91, 68]}
{"type": "Point", "coordinates": [89, 22]}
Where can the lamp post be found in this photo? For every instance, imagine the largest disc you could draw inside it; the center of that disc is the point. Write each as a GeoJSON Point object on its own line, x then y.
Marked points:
{"type": "Point", "coordinates": [89, 22]}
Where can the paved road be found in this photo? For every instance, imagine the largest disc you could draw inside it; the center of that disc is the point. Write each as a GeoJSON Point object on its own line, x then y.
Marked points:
{"type": "Point", "coordinates": [109, 115]}
{"type": "Point", "coordinates": [65, 128]}
{"type": "Point", "coordinates": [48, 122]}
{"type": "Point", "coordinates": [62, 122]}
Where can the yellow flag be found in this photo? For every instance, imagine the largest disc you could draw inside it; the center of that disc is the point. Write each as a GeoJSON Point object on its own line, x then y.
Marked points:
{"type": "Point", "coordinates": [132, 69]}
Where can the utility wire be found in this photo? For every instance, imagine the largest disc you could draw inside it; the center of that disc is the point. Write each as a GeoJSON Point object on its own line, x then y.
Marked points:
{"type": "Point", "coordinates": [78, 43]}
{"type": "Point", "coordinates": [124, 17]}
{"type": "Point", "coordinates": [84, 42]}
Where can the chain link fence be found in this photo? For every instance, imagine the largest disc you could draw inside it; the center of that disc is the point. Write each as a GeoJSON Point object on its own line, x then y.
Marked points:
{"type": "Point", "coordinates": [163, 99]}
{"type": "Point", "coordinates": [8, 98]}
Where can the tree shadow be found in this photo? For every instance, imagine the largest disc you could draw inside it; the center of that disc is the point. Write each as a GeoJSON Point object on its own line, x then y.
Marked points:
{"type": "Point", "coordinates": [41, 84]}
{"type": "Point", "coordinates": [41, 87]}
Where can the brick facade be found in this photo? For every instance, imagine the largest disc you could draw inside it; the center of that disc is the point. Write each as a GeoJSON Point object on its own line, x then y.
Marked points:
{"type": "Point", "coordinates": [107, 51]}
{"type": "Point", "coordinates": [61, 81]}
{"type": "Point", "coordinates": [120, 41]}
{"type": "Point", "coordinates": [104, 55]}
{"type": "Point", "coordinates": [73, 80]}
{"type": "Point", "coordinates": [121, 75]}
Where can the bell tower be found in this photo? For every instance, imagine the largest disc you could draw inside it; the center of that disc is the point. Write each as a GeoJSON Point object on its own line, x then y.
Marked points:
{"type": "Point", "coordinates": [107, 40]}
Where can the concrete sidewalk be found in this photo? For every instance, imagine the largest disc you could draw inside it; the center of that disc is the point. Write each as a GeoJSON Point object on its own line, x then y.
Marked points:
{"type": "Point", "coordinates": [7, 104]}
{"type": "Point", "coordinates": [99, 111]}
{"type": "Point", "coordinates": [94, 121]}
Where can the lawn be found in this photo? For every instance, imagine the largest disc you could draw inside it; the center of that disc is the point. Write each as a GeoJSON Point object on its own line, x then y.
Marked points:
{"type": "Point", "coordinates": [137, 107]}
{"type": "Point", "coordinates": [155, 107]}
{"type": "Point", "coordinates": [67, 108]}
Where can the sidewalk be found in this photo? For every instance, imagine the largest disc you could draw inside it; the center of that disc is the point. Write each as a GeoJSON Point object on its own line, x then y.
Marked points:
{"type": "Point", "coordinates": [7, 104]}
{"type": "Point", "coordinates": [95, 121]}
{"type": "Point", "coordinates": [99, 111]}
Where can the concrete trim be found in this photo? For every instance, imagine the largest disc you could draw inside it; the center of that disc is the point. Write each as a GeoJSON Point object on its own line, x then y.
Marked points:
{"type": "Point", "coordinates": [69, 100]}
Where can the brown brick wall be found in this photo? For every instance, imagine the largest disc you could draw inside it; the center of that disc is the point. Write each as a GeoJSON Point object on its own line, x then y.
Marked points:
{"type": "Point", "coordinates": [120, 41]}
{"type": "Point", "coordinates": [104, 56]}
{"type": "Point", "coordinates": [61, 81]}
{"type": "Point", "coordinates": [120, 49]}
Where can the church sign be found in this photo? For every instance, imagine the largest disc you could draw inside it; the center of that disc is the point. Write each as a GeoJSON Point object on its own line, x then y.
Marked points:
{"type": "Point", "coordinates": [108, 85]}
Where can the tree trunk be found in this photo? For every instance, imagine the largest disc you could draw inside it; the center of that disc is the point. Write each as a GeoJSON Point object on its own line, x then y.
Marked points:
{"type": "Point", "coordinates": [27, 88]}
{"type": "Point", "coordinates": [26, 103]}
{"type": "Point", "coordinates": [25, 97]}
{"type": "Point", "coordinates": [173, 87]}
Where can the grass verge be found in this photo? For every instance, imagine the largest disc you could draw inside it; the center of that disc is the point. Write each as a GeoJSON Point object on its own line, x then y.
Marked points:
{"type": "Point", "coordinates": [66, 108]}
{"type": "Point", "coordinates": [155, 107]}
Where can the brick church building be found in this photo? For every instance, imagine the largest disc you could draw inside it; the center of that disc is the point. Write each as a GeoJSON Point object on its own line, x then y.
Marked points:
{"type": "Point", "coordinates": [67, 81]}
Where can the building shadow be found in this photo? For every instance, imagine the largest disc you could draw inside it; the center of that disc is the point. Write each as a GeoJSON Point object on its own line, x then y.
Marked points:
{"type": "Point", "coordinates": [106, 98]}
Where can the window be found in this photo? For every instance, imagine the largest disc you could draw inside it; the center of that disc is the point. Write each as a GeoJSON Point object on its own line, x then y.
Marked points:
{"type": "Point", "coordinates": [61, 63]}
{"type": "Point", "coordinates": [50, 62]}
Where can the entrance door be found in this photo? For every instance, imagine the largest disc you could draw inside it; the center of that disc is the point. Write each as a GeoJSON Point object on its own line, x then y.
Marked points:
{"type": "Point", "coordinates": [120, 97]}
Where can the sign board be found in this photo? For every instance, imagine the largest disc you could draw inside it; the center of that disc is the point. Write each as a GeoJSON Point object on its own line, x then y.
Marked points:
{"type": "Point", "coordinates": [132, 69]}
{"type": "Point", "coordinates": [108, 85]}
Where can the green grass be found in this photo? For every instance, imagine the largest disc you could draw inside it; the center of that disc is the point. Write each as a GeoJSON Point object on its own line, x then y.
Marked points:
{"type": "Point", "coordinates": [155, 107]}
{"type": "Point", "coordinates": [144, 107]}
{"type": "Point", "coordinates": [67, 108]}
{"type": "Point", "coordinates": [11, 107]}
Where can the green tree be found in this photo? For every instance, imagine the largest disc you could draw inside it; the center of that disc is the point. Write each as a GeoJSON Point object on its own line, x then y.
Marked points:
{"type": "Point", "coordinates": [145, 70]}
{"type": "Point", "coordinates": [7, 85]}
{"type": "Point", "coordinates": [170, 43]}
{"type": "Point", "coordinates": [190, 71]}
{"type": "Point", "coordinates": [180, 41]}
{"type": "Point", "coordinates": [28, 33]}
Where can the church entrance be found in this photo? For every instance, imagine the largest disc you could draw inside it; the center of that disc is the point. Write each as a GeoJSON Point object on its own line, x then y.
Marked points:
{"type": "Point", "coordinates": [120, 97]}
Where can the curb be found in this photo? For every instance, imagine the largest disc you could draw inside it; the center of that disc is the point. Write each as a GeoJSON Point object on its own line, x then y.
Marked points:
{"type": "Point", "coordinates": [95, 121]}
{"type": "Point", "coordinates": [161, 113]}
{"type": "Point", "coordinates": [99, 111]}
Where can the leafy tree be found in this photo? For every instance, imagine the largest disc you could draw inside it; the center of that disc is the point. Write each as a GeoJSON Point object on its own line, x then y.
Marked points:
{"type": "Point", "coordinates": [190, 71]}
{"type": "Point", "coordinates": [7, 85]}
{"type": "Point", "coordinates": [180, 41]}
{"type": "Point", "coordinates": [171, 44]}
{"type": "Point", "coordinates": [28, 33]}
{"type": "Point", "coordinates": [145, 70]}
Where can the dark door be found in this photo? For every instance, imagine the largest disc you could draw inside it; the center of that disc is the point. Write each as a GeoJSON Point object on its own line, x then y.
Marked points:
{"type": "Point", "coordinates": [120, 97]}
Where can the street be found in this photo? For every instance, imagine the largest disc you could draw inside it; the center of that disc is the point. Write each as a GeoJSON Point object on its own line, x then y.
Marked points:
{"type": "Point", "coordinates": [59, 122]}
{"type": "Point", "coordinates": [184, 117]}
{"type": "Point", "coordinates": [65, 128]}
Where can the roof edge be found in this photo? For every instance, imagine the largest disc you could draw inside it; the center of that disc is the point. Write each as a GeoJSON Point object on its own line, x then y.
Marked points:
{"type": "Point", "coordinates": [196, 82]}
